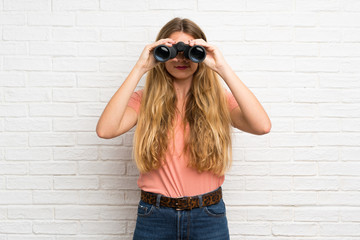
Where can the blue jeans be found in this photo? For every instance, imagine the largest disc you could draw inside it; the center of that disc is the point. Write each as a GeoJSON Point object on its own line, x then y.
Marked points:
{"type": "Point", "coordinates": [163, 223]}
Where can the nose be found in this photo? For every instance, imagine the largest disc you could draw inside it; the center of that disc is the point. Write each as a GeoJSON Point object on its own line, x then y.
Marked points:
{"type": "Point", "coordinates": [180, 56]}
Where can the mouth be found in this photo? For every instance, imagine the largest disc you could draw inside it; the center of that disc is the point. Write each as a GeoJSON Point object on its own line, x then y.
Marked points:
{"type": "Point", "coordinates": [181, 67]}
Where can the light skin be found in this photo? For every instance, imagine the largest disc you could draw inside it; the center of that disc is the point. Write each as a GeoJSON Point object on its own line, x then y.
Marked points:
{"type": "Point", "coordinates": [117, 118]}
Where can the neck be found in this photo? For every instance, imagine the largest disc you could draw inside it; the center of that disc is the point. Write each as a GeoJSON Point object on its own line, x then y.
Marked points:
{"type": "Point", "coordinates": [182, 88]}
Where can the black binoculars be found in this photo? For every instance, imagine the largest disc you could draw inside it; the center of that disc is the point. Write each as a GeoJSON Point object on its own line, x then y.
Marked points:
{"type": "Point", "coordinates": [163, 53]}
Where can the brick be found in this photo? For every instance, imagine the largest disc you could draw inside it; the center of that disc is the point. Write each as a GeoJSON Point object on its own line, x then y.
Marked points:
{"type": "Point", "coordinates": [75, 64]}
{"type": "Point", "coordinates": [270, 6]}
{"type": "Point", "coordinates": [338, 139]}
{"type": "Point", "coordinates": [317, 125]}
{"type": "Point", "coordinates": [51, 19]}
{"type": "Point", "coordinates": [340, 19]}
{"type": "Point", "coordinates": [27, 63]}
{"type": "Point", "coordinates": [76, 124]}
{"type": "Point", "coordinates": [90, 138]}
{"type": "Point", "coordinates": [269, 214]}
{"type": "Point", "coordinates": [293, 169]}
{"type": "Point", "coordinates": [49, 168]}
{"type": "Point", "coordinates": [13, 169]}
{"type": "Point", "coordinates": [29, 183]}
{"type": "Point", "coordinates": [281, 125]}
{"type": "Point", "coordinates": [108, 19]}
{"type": "Point", "coordinates": [248, 228]}
{"type": "Point", "coordinates": [75, 35]}
{"type": "Point", "coordinates": [118, 183]}
{"type": "Point", "coordinates": [114, 5]}
{"type": "Point", "coordinates": [26, 95]}
{"type": "Point", "coordinates": [13, 110]}
{"type": "Point", "coordinates": [103, 49]}
{"type": "Point", "coordinates": [61, 228]}
{"type": "Point", "coordinates": [315, 184]}
{"type": "Point", "coordinates": [339, 110]}
{"type": "Point", "coordinates": [292, 140]}
{"type": "Point", "coordinates": [53, 49]}
{"type": "Point", "coordinates": [27, 5]}
{"type": "Point", "coordinates": [12, 18]}
{"type": "Point", "coordinates": [13, 139]}
{"type": "Point", "coordinates": [21, 227]}
{"type": "Point", "coordinates": [294, 198]}
{"type": "Point", "coordinates": [76, 153]}
{"type": "Point", "coordinates": [317, 95]}
{"type": "Point", "coordinates": [51, 139]}
{"type": "Point", "coordinates": [90, 110]}
{"type": "Point", "coordinates": [25, 124]}
{"type": "Point", "coordinates": [247, 198]}
{"type": "Point", "coordinates": [339, 229]}
{"type": "Point", "coordinates": [317, 65]}
{"type": "Point", "coordinates": [227, 5]}
{"type": "Point", "coordinates": [339, 169]}
{"type": "Point", "coordinates": [107, 168]}
{"type": "Point", "coordinates": [131, 35]}
{"type": "Point", "coordinates": [300, 19]}
{"type": "Point", "coordinates": [103, 227]}
{"type": "Point", "coordinates": [26, 33]}
{"type": "Point", "coordinates": [294, 229]}
{"type": "Point", "coordinates": [75, 95]}
{"type": "Point", "coordinates": [261, 155]}
{"type": "Point", "coordinates": [269, 35]}
{"type": "Point", "coordinates": [15, 198]}
{"type": "Point", "coordinates": [52, 110]}
{"type": "Point", "coordinates": [113, 153]}
{"type": "Point", "coordinates": [101, 197]}
{"type": "Point", "coordinates": [55, 197]}
{"type": "Point", "coordinates": [316, 214]}
{"type": "Point", "coordinates": [316, 154]}
{"type": "Point", "coordinates": [73, 183]}
{"type": "Point", "coordinates": [12, 79]}
{"type": "Point", "coordinates": [12, 48]}
{"type": "Point", "coordinates": [317, 35]}
{"type": "Point", "coordinates": [249, 169]}
{"type": "Point", "coordinates": [68, 5]}
{"type": "Point", "coordinates": [293, 110]}
{"type": "Point", "coordinates": [350, 184]}
{"type": "Point", "coordinates": [51, 79]}
{"type": "Point", "coordinates": [317, 5]}
{"type": "Point", "coordinates": [31, 212]}
{"type": "Point", "coordinates": [266, 184]}
{"type": "Point", "coordinates": [77, 213]}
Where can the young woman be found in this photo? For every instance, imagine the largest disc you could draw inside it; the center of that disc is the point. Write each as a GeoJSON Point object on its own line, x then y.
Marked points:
{"type": "Point", "coordinates": [182, 142]}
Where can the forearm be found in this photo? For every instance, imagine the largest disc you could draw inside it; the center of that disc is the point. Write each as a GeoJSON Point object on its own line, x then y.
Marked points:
{"type": "Point", "coordinates": [252, 111]}
{"type": "Point", "coordinates": [113, 113]}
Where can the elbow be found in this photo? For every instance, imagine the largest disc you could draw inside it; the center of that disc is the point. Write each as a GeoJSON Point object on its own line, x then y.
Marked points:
{"type": "Point", "coordinates": [263, 129]}
{"type": "Point", "coordinates": [102, 133]}
{"type": "Point", "coordinates": [266, 128]}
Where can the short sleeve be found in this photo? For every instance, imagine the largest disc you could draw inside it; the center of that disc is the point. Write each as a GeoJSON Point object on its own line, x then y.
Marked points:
{"type": "Point", "coordinates": [135, 100]}
{"type": "Point", "coordinates": [231, 101]}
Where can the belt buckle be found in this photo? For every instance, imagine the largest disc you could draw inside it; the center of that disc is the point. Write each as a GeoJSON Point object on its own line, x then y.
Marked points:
{"type": "Point", "coordinates": [185, 201]}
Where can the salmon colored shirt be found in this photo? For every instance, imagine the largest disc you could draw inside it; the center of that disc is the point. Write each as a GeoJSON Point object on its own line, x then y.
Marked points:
{"type": "Point", "coordinates": [175, 178]}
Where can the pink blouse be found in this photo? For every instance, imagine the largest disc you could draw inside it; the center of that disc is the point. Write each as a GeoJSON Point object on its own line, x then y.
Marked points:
{"type": "Point", "coordinates": [175, 178]}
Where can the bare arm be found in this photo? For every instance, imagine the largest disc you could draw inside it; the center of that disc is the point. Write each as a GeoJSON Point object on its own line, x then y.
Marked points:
{"type": "Point", "coordinates": [117, 118]}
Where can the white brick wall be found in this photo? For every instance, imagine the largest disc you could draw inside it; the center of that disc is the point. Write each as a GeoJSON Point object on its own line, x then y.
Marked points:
{"type": "Point", "coordinates": [61, 61]}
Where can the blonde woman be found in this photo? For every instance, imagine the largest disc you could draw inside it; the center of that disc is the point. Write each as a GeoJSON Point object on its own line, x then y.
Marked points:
{"type": "Point", "coordinates": [182, 143]}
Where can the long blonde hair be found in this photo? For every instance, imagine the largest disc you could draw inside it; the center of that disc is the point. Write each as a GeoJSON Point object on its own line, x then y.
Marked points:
{"type": "Point", "coordinates": [208, 142]}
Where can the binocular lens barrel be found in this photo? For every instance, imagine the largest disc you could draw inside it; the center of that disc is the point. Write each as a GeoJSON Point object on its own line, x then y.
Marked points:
{"type": "Point", "coordinates": [163, 53]}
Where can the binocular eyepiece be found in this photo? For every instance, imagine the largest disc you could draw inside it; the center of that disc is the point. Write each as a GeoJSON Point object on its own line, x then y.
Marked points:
{"type": "Point", "coordinates": [163, 53]}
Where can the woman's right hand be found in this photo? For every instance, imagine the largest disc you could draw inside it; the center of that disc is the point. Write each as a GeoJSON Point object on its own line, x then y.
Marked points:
{"type": "Point", "coordinates": [147, 60]}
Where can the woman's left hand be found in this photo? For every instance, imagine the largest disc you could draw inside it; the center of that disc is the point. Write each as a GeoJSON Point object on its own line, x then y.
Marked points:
{"type": "Point", "coordinates": [214, 58]}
